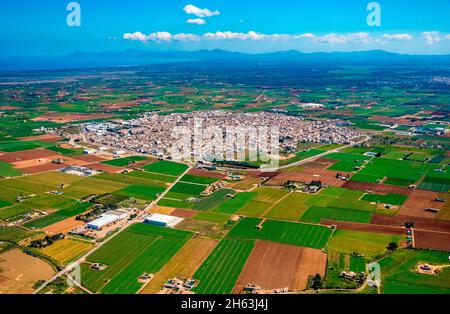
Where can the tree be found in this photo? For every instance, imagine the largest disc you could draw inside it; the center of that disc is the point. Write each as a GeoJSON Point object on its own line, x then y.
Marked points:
{"type": "Point", "coordinates": [392, 246]}
{"type": "Point", "coordinates": [316, 282]}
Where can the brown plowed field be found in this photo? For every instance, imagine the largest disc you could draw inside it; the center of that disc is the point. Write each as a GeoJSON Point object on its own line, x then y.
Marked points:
{"type": "Point", "coordinates": [27, 155]}
{"type": "Point", "coordinates": [89, 158]}
{"type": "Point", "coordinates": [419, 222]}
{"type": "Point", "coordinates": [44, 168]}
{"type": "Point", "coordinates": [432, 240]}
{"type": "Point", "coordinates": [418, 201]}
{"type": "Point", "coordinates": [273, 265]}
{"type": "Point", "coordinates": [104, 168]}
{"type": "Point", "coordinates": [378, 188]}
{"type": "Point", "coordinates": [71, 117]}
{"type": "Point", "coordinates": [356, 226]}
{"type": "Point", "coordinates": [206, 173]}
{"type": "Point", "coordinates": [260, 174]}
{"type": "Point", "coordinates": [184, 264]}
{"type": "Point", "coordinates": [47, 138]}
{"type": "Point", "coordinates": [282, 178]}
{"type": "Point", "coordinates": [34, 162]}
{"type": "Point", "coordinates": [21, 271]}
{"type": "Point", "coordinates": [184, 213]}
{"type": "Point", "coordinates": [64, 226]}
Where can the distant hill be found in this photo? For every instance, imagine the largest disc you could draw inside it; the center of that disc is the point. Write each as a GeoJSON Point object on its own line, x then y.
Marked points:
{"type": "Point", "coordinates": [290, 56]}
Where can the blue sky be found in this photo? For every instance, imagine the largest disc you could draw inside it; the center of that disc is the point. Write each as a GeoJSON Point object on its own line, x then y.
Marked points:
{"type": "Point", "coordinates": [35, 27]}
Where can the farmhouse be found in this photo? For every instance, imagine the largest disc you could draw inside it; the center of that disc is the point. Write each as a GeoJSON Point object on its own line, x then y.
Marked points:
{"type": "Point", "coordinates": [162, 220]}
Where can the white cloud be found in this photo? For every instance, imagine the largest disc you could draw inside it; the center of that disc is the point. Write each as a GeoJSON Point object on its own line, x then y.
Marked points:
{"type": "Point", "coordinates": [135, 36]}
{"type": "Point", "coordinates": [447, 36]}
{"type": "Point", "coordinates": [431, 37]}
{"type": "Point", "coordinates": [198, 21]}
{"type": "Point", "coordinates": [192, 9]}
{"type": "Point", "coordinates": [334, 38]}
{"type": "Point", "coordinates": [395, 37]}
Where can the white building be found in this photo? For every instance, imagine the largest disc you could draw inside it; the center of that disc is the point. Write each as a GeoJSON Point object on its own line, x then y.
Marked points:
{"type": "Point", "coordinates": [162, 220]}
{"type": "Point", "coordinates": [79, 171]}
{"type": "Point", "coordinates": [108, 218]}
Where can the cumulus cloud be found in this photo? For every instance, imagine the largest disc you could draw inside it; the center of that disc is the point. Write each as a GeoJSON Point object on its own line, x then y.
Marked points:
{"type": "Point", "coordinates": [397, 37]}
{"type": "Point", "coordinates": [192, 9]}
{"type": "Point", "coordinates": [198, 21]}
{"type": "Point", "coordinates": [331, 38]}
{"type": "Point", "coordinates": [431, 37]}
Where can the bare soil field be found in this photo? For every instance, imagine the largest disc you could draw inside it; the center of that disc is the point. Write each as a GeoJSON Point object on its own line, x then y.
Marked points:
{"type": "Point", "coordinates": [20, 271]}
{"type": "Point", "coordinates": [356, 226]}
{"type": "Point", "coordinates": [47, 138]}
{"type": "Point", "coordinates": [64, 226]}
{"type": "Point", "coordinates": [206, 173]}
{"type": "Point", "coordinates": [9, 108]}
{"type": "Point", "coordinates": [432, 240]}
{"type": "Point", "coordinates": [247, 183]}
{"type": "Point", "coordinates": [184, 264]}
{"type": "Point", "coordinates": [71, 117]}
{"type": "Point", "coordinates": [90, 158]}
{"type": "Point", "coordinates": [44, 168]}
{"type": "Point", "coordinates": [418, 201]}
{"type": "Point", "coordinates": [184, 213]}
{"type": "Point", "coordinates": [378, 188]}
{"type": "Point", "coordinates": [325, 177]}
{"type": "Point", "coordinates": [28, 155]}
{"type": "Point", "coordinates": [260, 174]}
{"type": "Point", "coordinates": [274, 265]}
{"type": "Point", "coordinates": [104, 168]}
{"type": "Point", "coordinates": [34, 162]}
{"type": "Point", "coordinates": [419, 222]}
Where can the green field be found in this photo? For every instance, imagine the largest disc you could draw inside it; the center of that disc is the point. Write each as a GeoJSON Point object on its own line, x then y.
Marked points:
{"type": "Point", "coordinates": [346, 161]}
{"type": "Point", "coordinates": [212, 201]}
{"type": "Point", "coordinates": [212, 217]}
{"type": "Point", "coordinates": [146, 193]}
{"type": "Point", "coordinates": [219, 273]}
{"type": "Point", "coordinates": [152, 176]}
{"type": "Point", "coordinates": [187, 189]}
{"type": "Point", "coordinates": [123, 162]}
{"type": "Point", "coordinates": [15, 234]}
{"type": "Point", "coordinates": [315, 214]}
{"type": "Point", "coordinates": [301, 155]}
{"type": "Point", "coordinates": [197, 179]}
{"type": "Point", "coordinates": [290, 208]}
{"type": "Point", "coordinates": [7, 170]}
{"type": "Point", "coordinates": [338, 202]}
{"type": "Point", "coordinates": [368, 244]}
{"type": "Point", "coordinates": [366, 178]}
{"type": "Point", "coordinates": [139, 249]}
{"type": "Point", "coordinates": [393, 199]}
{"type": "Point", "coordinates": [166, 167]}
{"type": "Point", "coordinates": [60, 215]}
{"type": "Point", "coordinates": [400, 277]}
{"type": "Point", "coordinates": [231, 205]}
{"type": "Point", "coordinates": [281, 231]}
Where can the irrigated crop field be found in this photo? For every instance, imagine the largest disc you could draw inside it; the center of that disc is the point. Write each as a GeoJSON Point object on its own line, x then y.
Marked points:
{"type": "Point", "coordinates": [140, 249]}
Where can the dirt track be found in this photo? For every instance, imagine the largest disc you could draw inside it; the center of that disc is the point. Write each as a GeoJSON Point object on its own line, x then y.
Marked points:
{"type": "Point", "coordinates": [273, 265]}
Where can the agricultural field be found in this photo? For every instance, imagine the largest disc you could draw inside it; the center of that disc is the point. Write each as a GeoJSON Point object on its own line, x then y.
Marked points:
{"type": "Point", "coordinates": [315, 214]}
{"type": "Point", "coordinates": [231, 205]}
{"type": "Point", "coordinates": [166, 167]}
{"type": "Point", "coordinates": [307, 235]}
{"type": "Point", "coordinates": [140, 249]}
{"type": "Point", "coordinates": [220, 271]}
{"type": "Point", "coordinates": [66, 250]}
{"type": "Point", "coordinates": [214, 200]}
{"type": "Point", "coordinates": [368, 244]}
{"type": "Point", "coordinates": [60, 215]}
{"type": "Point", "coordinates": [123, 162]}
{"type": "Point", "coordinates": [290, 208]}
{"type": "Point", "coordinates": [189, 178]}
{"type": "Point", "coordinates": [7, 170]}
{"type": "Point", "coordinates": [399, 273]}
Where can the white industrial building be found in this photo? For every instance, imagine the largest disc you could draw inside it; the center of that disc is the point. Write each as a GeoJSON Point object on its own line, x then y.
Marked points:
{"type": "Point", "coordinates": [108, 218]}
{"type": "Point", "coordinates": [162, 220]}
{"type": "Point", "coordinates": [79, 171]}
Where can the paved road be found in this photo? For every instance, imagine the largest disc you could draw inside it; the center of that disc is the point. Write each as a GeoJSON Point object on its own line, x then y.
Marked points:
{"type": "Point", "coordinates": [138, 218]}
